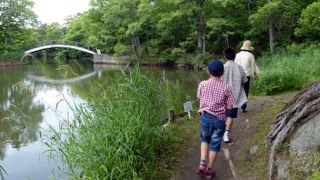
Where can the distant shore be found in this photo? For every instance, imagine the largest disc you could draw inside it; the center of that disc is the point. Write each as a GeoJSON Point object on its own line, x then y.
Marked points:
{"type": "Point", "coordinates": [10, 64]}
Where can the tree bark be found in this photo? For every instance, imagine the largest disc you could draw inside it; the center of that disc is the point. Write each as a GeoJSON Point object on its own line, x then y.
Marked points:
{"type": "Point", "coordinates": [271, 34]}
{"type": "Point", "coordinates": [249, 7]}
{"type": "Point", "coordinates": [304, 107]}
{"type": "Point", "coordinates": [200, 27]}
{"type": "Point", "coordinates": [136, 45]}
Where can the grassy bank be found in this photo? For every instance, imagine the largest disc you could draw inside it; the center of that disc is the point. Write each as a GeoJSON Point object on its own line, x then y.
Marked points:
{"type": "Point", "coordinates": [11, 57]}
{"type": "Point", "coordinates": [287, 71]}
{"type": "Point", "coordinates": [118, 135]}
{"type": "Point", "coordinates": [259, 127]}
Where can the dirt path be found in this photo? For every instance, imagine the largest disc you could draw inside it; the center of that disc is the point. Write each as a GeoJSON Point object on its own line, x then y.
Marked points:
{"type": "Point", "coordinates": [230, 157]}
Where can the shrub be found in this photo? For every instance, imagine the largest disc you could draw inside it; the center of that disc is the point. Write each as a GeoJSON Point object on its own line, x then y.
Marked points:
{"type": "Point", "coordinates": [166, 56]}
{"type": "Point", "coordinates": [11, 56]}
{"type": "Point", "coordinates": [122, 49]}
{"type": "Point", "coordinates": [284, 72]}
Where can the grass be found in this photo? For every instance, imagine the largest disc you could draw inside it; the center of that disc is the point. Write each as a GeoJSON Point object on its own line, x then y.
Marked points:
{"type": "Point", "coordinates": [305, 165]}
{"type": "Point", "coordinates": [287, 71]}
{"type": "Point", "coordinates": [118, 135]}
{"type": "Point", "coordinates": [181, 136]}
{"type": "Point", "coordinates": [261, 123]}
{"type": "Point", "coordinates": [315, 176]}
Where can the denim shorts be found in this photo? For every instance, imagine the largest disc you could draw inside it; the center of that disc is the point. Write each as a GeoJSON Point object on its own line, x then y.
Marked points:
{"type": "Point", "coordinates": [233, 113]}
{"type": "Point", "coordinates": [212, 130]}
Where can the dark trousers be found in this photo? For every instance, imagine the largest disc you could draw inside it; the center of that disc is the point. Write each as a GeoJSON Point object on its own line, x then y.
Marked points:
{"type": "Point", "coordinates": [246, 87]}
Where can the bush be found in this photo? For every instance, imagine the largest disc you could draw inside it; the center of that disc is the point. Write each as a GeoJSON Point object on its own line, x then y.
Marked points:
{"type": "Point", "coordinates": [166, 56]}
{"type": "Point", "coordinates": [285, 72]}
{"type": "Point", "coordinates": [122, 49]}
{"type": "Point", "coordinates": [11, 56]}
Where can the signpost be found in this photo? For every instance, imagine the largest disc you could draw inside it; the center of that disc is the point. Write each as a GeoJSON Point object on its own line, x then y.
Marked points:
{"type": "Point", "coordinates": [188, 108]}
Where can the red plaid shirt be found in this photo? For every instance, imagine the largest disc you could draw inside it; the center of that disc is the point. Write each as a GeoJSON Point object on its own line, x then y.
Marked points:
{"type": "Point", "coordinates": [215, 96]}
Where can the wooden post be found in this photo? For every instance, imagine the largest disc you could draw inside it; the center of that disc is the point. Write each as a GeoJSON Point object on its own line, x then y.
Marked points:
{"type": "Point", "coordinates": [171, 115]}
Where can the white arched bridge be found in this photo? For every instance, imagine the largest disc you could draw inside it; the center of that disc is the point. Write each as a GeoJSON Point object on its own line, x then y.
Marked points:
{"type": "Point", "coordinates": [63, 45]}
{"type": "Point", "coordinates": [97, 56]}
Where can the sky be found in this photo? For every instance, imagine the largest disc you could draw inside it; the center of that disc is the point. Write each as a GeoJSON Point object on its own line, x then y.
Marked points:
{"type": "Point", "coordinates": [50, 11]}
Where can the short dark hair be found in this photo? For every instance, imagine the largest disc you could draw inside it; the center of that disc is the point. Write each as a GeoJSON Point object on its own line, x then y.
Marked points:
{"type": "Point", "coordinates": [229, 53]}
{"type": "Point", "coordinates": [216, 68]}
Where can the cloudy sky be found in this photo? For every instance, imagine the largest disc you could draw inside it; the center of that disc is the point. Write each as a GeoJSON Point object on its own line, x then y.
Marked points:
{"type": "Point", "coordinates": [50, 11]}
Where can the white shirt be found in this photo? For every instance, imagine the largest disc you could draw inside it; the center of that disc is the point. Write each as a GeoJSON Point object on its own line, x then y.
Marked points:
{"type": "Point", "coordinates": [247, 61]}
{"type": "Point", "coordinates": [235, 76]}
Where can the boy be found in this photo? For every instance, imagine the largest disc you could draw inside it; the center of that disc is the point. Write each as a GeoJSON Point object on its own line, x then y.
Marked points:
{"type": "Point", "coordinates": [235, 76]}
{"type": "Point", "coordinates": [215, 97]}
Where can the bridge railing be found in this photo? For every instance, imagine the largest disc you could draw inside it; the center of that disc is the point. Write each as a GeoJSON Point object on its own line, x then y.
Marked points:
{"type": "Point", "coordinates": [63, 42]}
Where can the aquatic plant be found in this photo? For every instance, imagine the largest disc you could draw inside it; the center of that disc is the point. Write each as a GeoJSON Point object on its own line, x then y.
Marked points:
{"type": "Point", "coordinates": [117, 135]}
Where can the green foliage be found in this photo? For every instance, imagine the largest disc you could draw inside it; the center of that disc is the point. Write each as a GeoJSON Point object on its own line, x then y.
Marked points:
{"type": "Point", "coordinates": [122, 49]}
{"type": "Point", "coordinates": [166, 56]}
{"type": "Point", "coordinates": [287, 71]}
{"type": "Point", "coordinates": [49, 32]}
{"type": "Point", "coordinates": [117, 135]}
{"type": "Point", "coordinates": [315, 176]}
{"type": "Point", "coordinates": [11, 56]}
{"type": "Point", "coordinates": [15, 17]}
{"type": "Point", "coordinates": [309, 22]}
{"type": "Point", "coordinates": [169, 29]}
{"type": "Point", "coordinates": [173, 96]}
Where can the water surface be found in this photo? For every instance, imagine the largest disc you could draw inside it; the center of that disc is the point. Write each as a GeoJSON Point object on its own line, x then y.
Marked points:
{"type": "Point", "coordinates": [37, 97]}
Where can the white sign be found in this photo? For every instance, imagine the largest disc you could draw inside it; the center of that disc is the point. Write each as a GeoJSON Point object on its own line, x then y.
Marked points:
{"type": "Point", "coordinates": [188, 108]}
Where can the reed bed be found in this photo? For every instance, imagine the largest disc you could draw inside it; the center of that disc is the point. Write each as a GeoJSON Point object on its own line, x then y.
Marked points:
{"type": "Point", "coordinates": [118, 135]}
{"type": "Point", "coordinates": [287, 71]}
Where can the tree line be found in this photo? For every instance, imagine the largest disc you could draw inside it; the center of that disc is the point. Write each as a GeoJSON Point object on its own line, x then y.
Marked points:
{"type": "Point", "coordinates": [167, 29]}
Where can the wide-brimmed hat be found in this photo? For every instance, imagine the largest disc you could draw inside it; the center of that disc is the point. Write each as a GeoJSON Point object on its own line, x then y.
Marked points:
{"type": "Point", "coordinates": [247, 46]}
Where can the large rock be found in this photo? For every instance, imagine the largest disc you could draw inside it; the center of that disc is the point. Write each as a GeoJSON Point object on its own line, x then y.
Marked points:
{"type": "Point", "coordinates": [300, 120]}
{"type": "Point", "coordinates": [307, 138]}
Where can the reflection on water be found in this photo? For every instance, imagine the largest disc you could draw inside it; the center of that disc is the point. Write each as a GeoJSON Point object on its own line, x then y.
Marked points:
{"type": "Point", "coordinates": [29, 106]}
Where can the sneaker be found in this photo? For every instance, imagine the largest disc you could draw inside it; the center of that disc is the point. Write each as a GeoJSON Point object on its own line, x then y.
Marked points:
{"type": "Point", "coordinates": [226, 138]}
{"type": "Point", "coordinates": [202, 168]}
{"type": "Point", "coordinates": [209, 174]}
{"type": "Point", "coordinates": [244, 110]}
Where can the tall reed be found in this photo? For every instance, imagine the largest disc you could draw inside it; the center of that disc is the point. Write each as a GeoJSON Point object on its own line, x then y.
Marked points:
{"type": "Point", "coordinates": [116, 135]}
{"type": "Point", "coordinates": [286, 72]}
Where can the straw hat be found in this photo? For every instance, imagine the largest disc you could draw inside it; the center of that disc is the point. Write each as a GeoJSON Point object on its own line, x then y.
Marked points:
{"type": "Point", "coordinates": [247, 46]}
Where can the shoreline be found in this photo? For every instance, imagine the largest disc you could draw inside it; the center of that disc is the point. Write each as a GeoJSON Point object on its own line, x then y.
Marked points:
{"type": "Point", "coordinates": [185, 65]}
{"type": "Point", "coordinates": [3, 64]}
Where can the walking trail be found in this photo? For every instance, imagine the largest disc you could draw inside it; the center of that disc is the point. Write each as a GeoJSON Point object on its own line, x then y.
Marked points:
{"type": "Point", "coordinates": [232, 155]}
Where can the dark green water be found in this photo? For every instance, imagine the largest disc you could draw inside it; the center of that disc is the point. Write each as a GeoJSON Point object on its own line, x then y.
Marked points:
{"type": "Point", "coordinates": [36, 97]}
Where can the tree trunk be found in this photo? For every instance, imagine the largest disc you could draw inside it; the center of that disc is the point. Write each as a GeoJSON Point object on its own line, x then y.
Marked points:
{"type": "Point", "coordinates": [304, 107]}
{"type": "Point", "coordinates": [136, 46]}
{"type": "Point", "coordinates": [249, 7]}
{"type": "Point", "coordinates": [200, 27]}
{"type": "Point", "coordinates": [271, 35]}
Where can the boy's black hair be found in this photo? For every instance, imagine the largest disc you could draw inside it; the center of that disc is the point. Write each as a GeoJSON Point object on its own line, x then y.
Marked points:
{"type": "Point", "coordinates": [229, 53]}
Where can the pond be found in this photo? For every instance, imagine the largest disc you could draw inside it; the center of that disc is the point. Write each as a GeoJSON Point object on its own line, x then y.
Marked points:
{"type": "Point", "coordinates": [35, 98]}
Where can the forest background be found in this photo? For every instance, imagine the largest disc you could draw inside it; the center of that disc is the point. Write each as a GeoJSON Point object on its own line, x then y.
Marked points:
{"type": "Point", "coordinates": [167, 30]}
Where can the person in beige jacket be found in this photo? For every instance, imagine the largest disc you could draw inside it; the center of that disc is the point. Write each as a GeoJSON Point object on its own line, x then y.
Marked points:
{"type": "Point", "coordinates": [246, 59]}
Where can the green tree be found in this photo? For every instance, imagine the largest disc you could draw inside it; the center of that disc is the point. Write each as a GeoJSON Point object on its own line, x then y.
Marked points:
{"type": "Point", "coordinates": [309, 22]}
{"type": "Point", "coordinates": [278, 16]}
{"type": "Point", "coordinates": [47, 32]}
{"type": "Point", "coordinates": [15, 18]}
